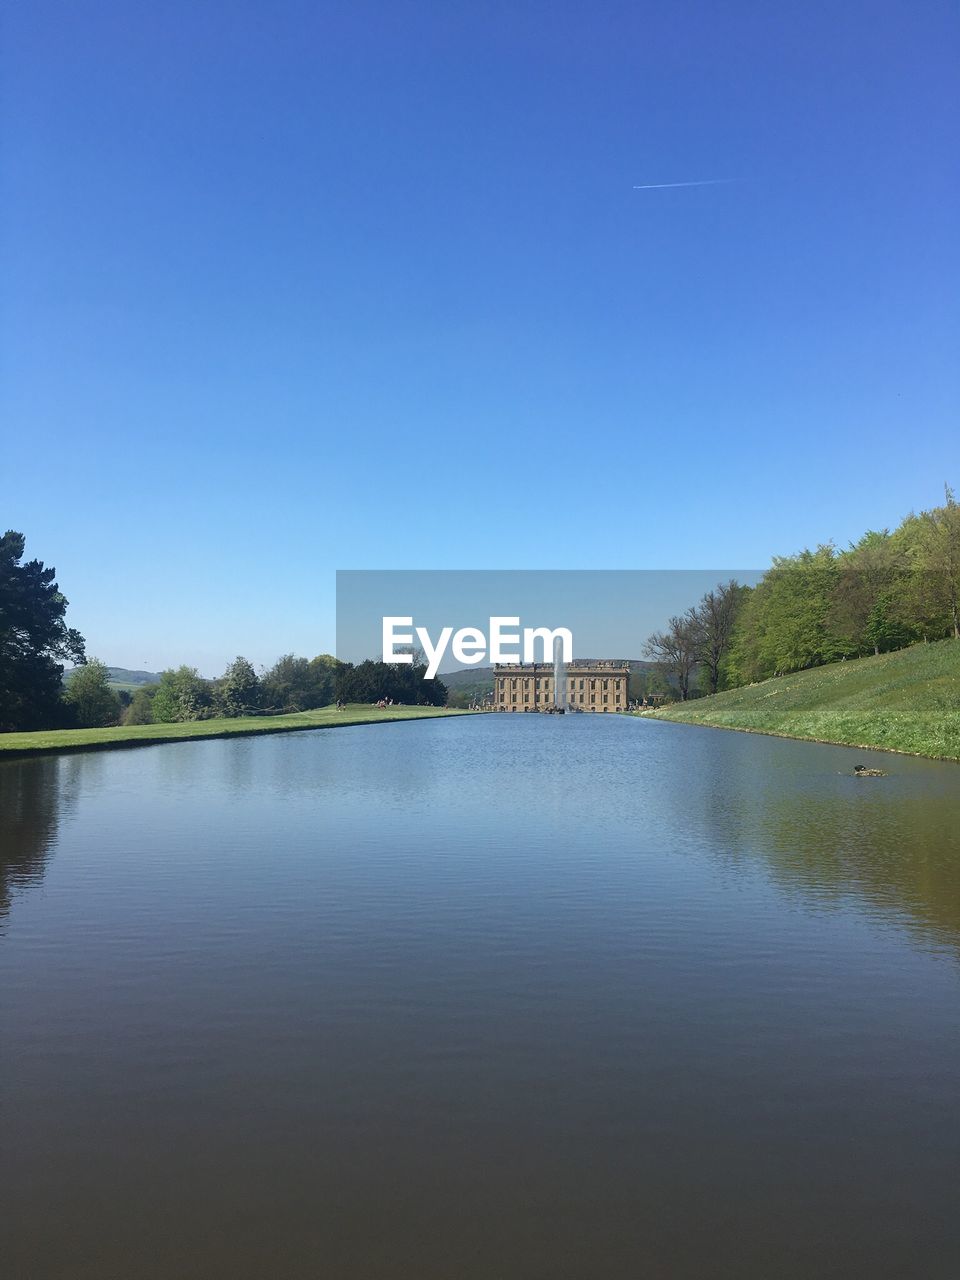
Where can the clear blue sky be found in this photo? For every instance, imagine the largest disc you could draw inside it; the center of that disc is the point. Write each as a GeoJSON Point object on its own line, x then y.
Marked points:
{"type": "Point", "coordinates": [287, 287]}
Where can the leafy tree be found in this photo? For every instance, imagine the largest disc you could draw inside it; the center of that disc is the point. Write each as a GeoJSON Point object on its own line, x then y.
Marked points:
{"type": "Point", "coordinates": [323, 679]}
{"type": "Point", "coordinates": [295, 684]}
{"type": "Point", "coordinates": [885, 591]}
{"type": "Point", "coordinates": [34, 638]}
{"type": "Point", "coordinates": [371, 681]}
{"type": "Point", "coordinates": [88, 693]}
{"type": "Point", "coordinates": [785, 622]}
{"type": "Point", "coordinates": [918, 606]}
{"type": "Point", "coordinates": [286, 686]}
{"type": "Point", "coordinates": [238, 690]}
{"type": "Point", "coordinates": [863, 612]}
{"type": "Point", "coordinates": [937, 561]}
{"type": "Point", "coordinates": [182, 694]}
{"type": "Point", "coordinates": [140, 710]}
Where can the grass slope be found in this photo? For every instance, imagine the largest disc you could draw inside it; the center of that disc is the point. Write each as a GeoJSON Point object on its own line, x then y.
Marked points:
{"type": "Point", "coordinates": [145, 735]}
{"type": "Point", "coordinates": [905, 701]}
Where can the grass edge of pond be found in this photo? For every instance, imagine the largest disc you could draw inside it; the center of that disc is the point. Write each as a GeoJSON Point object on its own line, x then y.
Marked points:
{"type": "Point", "coordinates": [117, 737]}
{"type": "Point", "coordinates": [906, 701]}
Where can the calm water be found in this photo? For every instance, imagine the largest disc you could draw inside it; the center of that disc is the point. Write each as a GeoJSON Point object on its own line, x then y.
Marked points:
{"type": "Point", "coordinates": [490, 998]}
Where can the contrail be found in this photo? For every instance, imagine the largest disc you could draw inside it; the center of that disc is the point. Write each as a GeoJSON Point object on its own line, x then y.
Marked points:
{"type": "Point", "coordinates": [705, 182]}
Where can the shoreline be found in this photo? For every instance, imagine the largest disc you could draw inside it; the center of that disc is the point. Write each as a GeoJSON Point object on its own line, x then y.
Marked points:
{"type": "Point", "coordinates": [797, 737]}
{"type": "Point", "coordinates": [16, 746]}
{"type": "Point", "coordinates": [904, 702]}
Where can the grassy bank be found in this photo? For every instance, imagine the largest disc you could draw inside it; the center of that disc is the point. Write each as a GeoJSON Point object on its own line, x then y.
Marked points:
{"type": "Point", "coordinates": [145, 735]}
{"type": "Point", "coordinates": [906, 701]}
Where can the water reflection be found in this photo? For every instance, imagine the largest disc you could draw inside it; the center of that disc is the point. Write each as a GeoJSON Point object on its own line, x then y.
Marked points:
{"type": "Point", "coordinates": [29, 817]}
{"type": "Point", "coordinates": [509, 996]}
{"type": "Point", "coordinates": [890, 845]}
{"type": "Point", "coordinates": [898, 854]}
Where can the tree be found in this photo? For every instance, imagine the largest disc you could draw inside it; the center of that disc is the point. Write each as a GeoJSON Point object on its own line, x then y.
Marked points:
{"type": "Point", "coordinates": [785, 622]}
{"type": "Point", "coordinates": [676, 650]}
{"type": "Point", "coordinates": [323, 679]}
{"type": "Point", "coordinates": [713, 622]}
{"type": "Point", "coordinates": [33, 639]}
{"type": "Point", "coordinates": [644, 683]}
{"type": "Point", "coordinates": [937, 560]}
{"type": "Point", "coordinates": [238, 690]}
{"type": "Point", "coordinates": [863, 612]}
{"type": "Point", "coordinates": [140, 710]}
{"type": "Point", "coordinates": [403, 682]}
{"type": "Point", "coordinates": [294, 684]}
{"type": "Point", "coordinates": [885, 591]}
{"type": "Point", "coordinates": [88, 693]}
{"type": "Point", "coordinates": [285, 687]}
{"type": "Point", "coordinates": [182, 694]}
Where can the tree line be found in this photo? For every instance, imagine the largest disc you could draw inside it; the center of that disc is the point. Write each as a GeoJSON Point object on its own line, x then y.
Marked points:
{"type": "Point", "coordinates": [88, 700]}
{"type": "Point", "coordinates": [35, 643]}
{"type": "Point", "coordinates": [291, 684]}
{"type": "Point", "coordinates": [887, 590]}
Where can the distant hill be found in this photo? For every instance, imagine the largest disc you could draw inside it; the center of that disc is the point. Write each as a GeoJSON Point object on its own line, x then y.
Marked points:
{"type": "Point", "coordinates": [122, 677]}
{"type": "Point", "coordinates": [903, 701]}
{"type": "Point", "coordinates": [468, 676]}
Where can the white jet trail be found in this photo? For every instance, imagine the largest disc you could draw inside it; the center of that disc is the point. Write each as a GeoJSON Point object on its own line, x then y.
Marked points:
{"type": "Point", "coordinates": [705, 182]}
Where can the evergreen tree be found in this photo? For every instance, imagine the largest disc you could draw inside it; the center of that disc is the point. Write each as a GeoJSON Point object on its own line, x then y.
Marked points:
{"type": "Point", "coordinates": [34, 638]}
{"type": "Point", "coordinates": [238, 690]}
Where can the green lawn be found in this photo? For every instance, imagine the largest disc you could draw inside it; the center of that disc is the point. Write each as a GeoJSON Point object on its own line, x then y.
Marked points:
{"type": "Point", "coordinates": [906, 701]}
{"type": "Point", "coordinates": [143, 735]}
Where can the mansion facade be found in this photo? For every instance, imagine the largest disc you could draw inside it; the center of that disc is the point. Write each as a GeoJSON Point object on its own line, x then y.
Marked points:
{"type": "Point", "coordinates": [590, 686]}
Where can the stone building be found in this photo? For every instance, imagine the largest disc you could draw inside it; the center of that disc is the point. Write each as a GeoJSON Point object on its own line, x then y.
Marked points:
{"type": "Point", "coordinates": [590, 686]}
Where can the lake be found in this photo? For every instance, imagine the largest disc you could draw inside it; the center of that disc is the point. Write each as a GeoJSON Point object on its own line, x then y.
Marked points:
{"type": "Point", "coordinates": [486, 997]}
